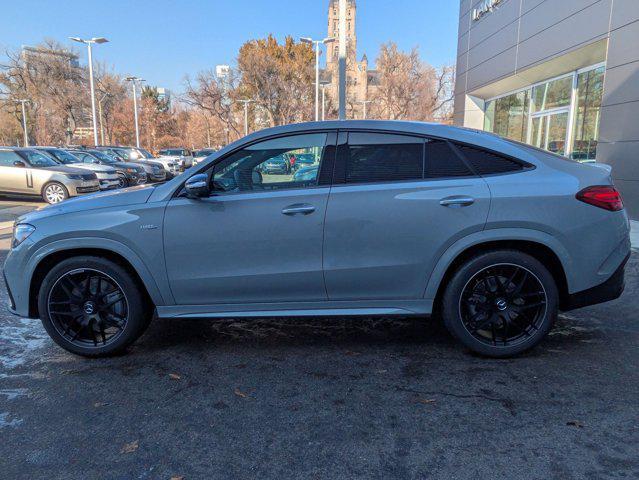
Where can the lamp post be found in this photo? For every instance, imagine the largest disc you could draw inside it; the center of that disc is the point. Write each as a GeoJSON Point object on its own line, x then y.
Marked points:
{"type": "Point", "coordinates": [106, 95]}
{"type": "Point", "coordinates": [364, 103]}
{"type": "Point", "coordinates": [246, 104]}
{"type": "Point", "coordinates": [23, 101]}
{"type": "Point", "coordinates": [324, 84]}
{"type": "Point", "coordinates": [317, 44]}
{"type": "Point", "coordinates": [88, 43]}
{"type": "Point", "coordinates": [133, 81]}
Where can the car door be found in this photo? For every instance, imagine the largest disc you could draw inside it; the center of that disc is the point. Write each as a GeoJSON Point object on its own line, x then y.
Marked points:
{"type": "Point", "coordinates": [14, 179]}
{"type": "Point", "coordinates": [396, 204]}
{"type": "Point", "coordinates": [257, 238]}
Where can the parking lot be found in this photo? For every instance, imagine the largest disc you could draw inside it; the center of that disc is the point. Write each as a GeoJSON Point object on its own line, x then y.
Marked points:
{"type": "Point", "coordinates": [322, 398]}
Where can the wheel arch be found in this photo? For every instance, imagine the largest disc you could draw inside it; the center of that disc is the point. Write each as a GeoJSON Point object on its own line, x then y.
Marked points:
{"type": "Point", "coordinates": [133, 266]}
{"type": "Point", "coordinates": [554, 258]}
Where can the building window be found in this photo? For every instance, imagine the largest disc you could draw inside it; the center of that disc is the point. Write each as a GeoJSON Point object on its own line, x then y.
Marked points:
{"type": "Point", "coordinates": [587, 114]}
{"type": "Point", "coordinates": [541, 115]}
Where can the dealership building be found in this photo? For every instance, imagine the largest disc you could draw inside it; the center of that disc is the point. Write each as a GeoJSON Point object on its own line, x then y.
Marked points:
{"type": "Point", "coordinates": [558, 74]}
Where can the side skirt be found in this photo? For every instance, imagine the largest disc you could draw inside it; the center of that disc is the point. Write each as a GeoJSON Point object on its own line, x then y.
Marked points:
{"type": "Point", "coordinates": [300, 309]}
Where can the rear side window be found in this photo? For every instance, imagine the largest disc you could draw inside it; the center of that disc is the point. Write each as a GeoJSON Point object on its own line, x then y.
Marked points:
{"type": "Point", "coordinates": [487, 163]}
{"type": "Point", "coordinates": [443, 162]}
{"type": "Point", "coordinates": [378, 157]}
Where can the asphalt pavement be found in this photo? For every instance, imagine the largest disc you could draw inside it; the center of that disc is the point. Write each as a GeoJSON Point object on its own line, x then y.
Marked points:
{"type": "Point", "coordinates": [324, 399]}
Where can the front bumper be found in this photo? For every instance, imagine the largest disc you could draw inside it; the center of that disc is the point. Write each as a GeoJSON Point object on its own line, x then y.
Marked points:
{"type": "Point", "coordinates": [85, 187]}
{"type": "Point", "coordinates": [609, 290]}
{"type": "Point", "coordinates": [109, 184]}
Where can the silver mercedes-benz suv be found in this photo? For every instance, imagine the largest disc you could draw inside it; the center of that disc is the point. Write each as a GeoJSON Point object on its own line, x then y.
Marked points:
{"type": "Point", "coordinates": [399, 218]}
{"type": "Point", "coordinates": [24, 171]}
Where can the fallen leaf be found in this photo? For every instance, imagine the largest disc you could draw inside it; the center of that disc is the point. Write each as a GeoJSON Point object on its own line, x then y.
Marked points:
{"type": "Point", "coordinates": [174, 376]}
{"type": "Point", "coordinates": [239, 393]}
{"type": "Point", "coordinates": [177, 477]}
{"type": "Point", "coordinates": [130, 447]}
{"type": "Point", "coordinates": [351, 353]}
{"type": "Point", "coordinates": [575, 423]}
{"type": "Point", "coordinates": [100, 404]}
{"type": "Point", "coordinates": [426, 401]}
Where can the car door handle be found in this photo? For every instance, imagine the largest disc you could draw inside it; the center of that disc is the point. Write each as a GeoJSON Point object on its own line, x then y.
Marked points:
{"type": "Point", "coordinates": [457, 201]}
{"type": "Point", "coordinates": [298, 208]}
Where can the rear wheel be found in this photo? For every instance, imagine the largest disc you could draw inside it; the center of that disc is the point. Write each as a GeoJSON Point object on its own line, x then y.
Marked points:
{"type": "Point", "coordinates": [91, 306]}
{"type": "Point", "coordinates": [54, 192]}
{"type": "Point", "coordinates": [500, 303]}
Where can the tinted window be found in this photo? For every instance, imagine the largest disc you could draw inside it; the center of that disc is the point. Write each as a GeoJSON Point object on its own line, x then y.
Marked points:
{"type": "Point", "coordinates": [270, 165]}
{"type": "Point", "coordinates": [442, 161]}
{"type": "Point", "coordinates": [486, 163]}
{"type": "Point", "coordinates": [37, 159]}
{"type": "Point", "coordinates": [374, 157]}
{"type": "Point", "coordinates": [7, 158]}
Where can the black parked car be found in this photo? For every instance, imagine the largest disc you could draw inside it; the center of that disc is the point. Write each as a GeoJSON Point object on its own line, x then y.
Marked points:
{"type": "Point", "coordinates": [129, 173]}
{"type": "Point", "coordinates": [155, 171]}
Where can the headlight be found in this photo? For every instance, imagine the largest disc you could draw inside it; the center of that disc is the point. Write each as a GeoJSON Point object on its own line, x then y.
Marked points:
{"type": "Point", "coordinates": [73, 176]}
{"type": "Point", "coordinates": [21, 232]}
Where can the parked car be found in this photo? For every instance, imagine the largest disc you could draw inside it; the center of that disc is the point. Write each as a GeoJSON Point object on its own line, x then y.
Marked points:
{"type": "Point", "coordinates": [182, 156]}
{"type": "Point", "coordinates": [306, 174]}
{"type": "Point", "coordinates": [107, 176]}
{"type": "Point", "coordinates": [133, 154]}
{"type": "Point", "coordinates": [277, 165]}
{"type": "Point", "coordinates": [406, 219]}
{"type": "Point", "coordinates": [155, 171]}
{"type": "Point", "coordinates": [25, 171]}
{"type": "Point", "coordinates": [129, 173]}
{"type": "Point", "coordinates": [200, 155]}
{"type": "Point", "coordinates": [303, 160]}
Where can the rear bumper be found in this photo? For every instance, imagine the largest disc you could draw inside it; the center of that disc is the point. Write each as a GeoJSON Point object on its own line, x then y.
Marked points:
{"type": "Point", "coordinates": [609, 290]}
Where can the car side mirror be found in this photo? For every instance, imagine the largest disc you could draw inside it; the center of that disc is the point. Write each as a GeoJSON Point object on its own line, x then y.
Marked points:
{"type": "Point", "coordinates": [198, 186]}
{"type": "Point", "coordinates": [19, 163]}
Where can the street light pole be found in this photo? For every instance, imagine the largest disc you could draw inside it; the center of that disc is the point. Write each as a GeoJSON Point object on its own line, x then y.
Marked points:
{"type": "Point", "coordinates": [246, 104]}
{"type": "Point", "coordinates": [133, 81]}
{"type": "Point", "coordinates": [89, 43]}
{"type": "Point", "coordinates": [107, 94]}
{"type": "Point", "coordinates": [323, 85]}
{"type": "Point", "coordinates": [317, 44]}
{"type": "Point", "coordinates": [23, 101]}
{"type": "Point", "coordinates": [342, 59]}
{"type": "Point", "coordinates": [364, 103]}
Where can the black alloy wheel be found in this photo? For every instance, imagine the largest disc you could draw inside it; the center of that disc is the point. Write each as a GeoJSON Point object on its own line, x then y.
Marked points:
{"type": "Point", "coordinates": [503, 304]}
{"type": "Point", "coordinates": [88, 308]}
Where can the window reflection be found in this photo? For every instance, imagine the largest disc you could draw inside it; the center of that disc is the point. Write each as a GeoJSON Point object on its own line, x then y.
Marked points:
{"type": "Point", "coordinates": [588, 110]}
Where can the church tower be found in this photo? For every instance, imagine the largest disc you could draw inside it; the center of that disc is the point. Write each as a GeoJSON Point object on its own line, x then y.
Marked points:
{"type": "Point", "coordinates": [332, 57]}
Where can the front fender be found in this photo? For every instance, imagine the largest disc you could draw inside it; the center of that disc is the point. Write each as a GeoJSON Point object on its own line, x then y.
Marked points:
{"type": "Point", "coordinates": [493, 235]}
{"type": "Point", "coordinates": [104, 244]}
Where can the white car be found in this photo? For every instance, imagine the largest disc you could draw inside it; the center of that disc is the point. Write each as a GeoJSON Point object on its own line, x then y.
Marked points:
{"type": "Point", "coordinates": [107, 176]}
{"type": "Point", "coordinates": [183, 156]}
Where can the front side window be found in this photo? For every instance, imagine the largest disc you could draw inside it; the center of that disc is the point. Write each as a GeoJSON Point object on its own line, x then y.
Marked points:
{"type": "Point", "coordinates": [272, 165]}
{"type": "Point", "coordinates": [8, 158]}
{"type": "Point", "coordinates": [37, 159]}
{"type": "Point", "coordinates": [380, 157]}
{"type": "Point", "coordinates": [63, 156]}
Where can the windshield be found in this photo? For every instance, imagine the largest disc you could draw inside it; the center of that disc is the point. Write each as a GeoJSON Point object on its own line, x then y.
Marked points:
{"type": "Point", "coordinates": [102, 156]}
{"type": "Point", "coordinates": [172, 152]}
{"type": "Point", "coordinates": [37, 159]}
{"type": "Point", "coordinates": [63, 156]}
{"type": "Point", "coordinates": [145, 153]}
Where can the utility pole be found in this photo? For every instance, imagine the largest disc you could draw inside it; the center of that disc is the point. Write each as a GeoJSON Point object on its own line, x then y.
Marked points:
{"type": "Point", "coordinates": [100, 115]}
{"type": "Point", "coordinates": [246, 104]}
{"type": "Point", "coordinates": [342, 59]}
{"type": "Point", "coordinates": [133, 81]}
{"type": "Point", "coordinates": [88, 43]}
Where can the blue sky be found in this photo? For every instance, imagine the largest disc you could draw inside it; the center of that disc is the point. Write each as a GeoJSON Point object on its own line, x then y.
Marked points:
{"type": "Point", "coordinates": [163, 40]}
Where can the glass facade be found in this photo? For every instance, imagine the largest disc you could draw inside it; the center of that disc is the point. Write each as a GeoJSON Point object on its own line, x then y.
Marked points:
{"type": "Point", "coordinates": [542, 114]}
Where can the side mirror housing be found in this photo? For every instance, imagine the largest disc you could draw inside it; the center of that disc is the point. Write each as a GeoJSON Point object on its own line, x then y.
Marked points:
{"type": "Point", "coordinates": [197, 186]}
{"type": "Point", "coordinates": [19, 163]}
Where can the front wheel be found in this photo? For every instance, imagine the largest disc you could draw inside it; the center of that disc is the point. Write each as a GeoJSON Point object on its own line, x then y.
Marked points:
{"type": "Point", "coordinates": [122, 181]}
{"type": "Point", "coordinates": [54, 192]}
{"type": "Point", "coordinates": [500, 303]}
{"type": "Point", "coordinates": [91, 306]}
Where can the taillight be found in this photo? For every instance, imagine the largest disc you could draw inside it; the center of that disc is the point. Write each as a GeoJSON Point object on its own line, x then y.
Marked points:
{"type": "Point", "coordinates": [602, 196]}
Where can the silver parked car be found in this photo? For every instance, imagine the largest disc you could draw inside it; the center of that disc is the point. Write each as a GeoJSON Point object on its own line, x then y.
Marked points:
{"type": "Point", "coordinates": [107, 176]}
{"type": "Point", "coordinates": [24, 171]}
{"type": "Point", "coordinates": [400, 218]}
{"type": "Point", "coordinates": [182, 156]}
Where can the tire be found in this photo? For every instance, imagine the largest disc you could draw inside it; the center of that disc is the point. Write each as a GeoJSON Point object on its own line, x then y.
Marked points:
{"type": "Point", "coordinates": [73, 319]}
{"type": "Point", "coordinates": [122, 181]}
{"type": "Point", "coordinates": [54, 192]}
{"type": "Point", "coordinates": [500, 303]}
